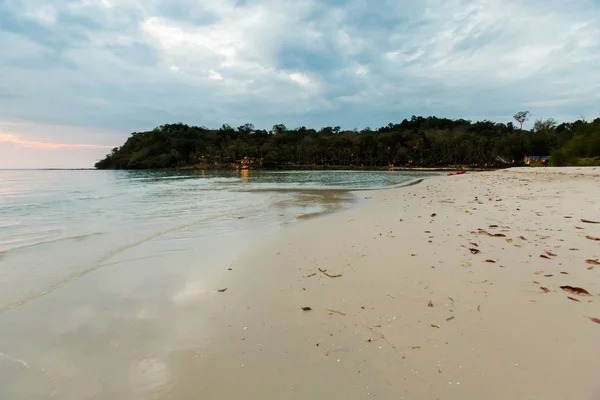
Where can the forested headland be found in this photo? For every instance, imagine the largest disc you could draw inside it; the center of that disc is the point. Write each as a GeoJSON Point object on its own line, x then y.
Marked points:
{"type": "Point", "coordinates": [416, 142]}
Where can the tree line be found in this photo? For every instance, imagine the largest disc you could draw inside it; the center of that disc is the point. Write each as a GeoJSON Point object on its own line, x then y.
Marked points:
{"type": "Point", "coordinates": [414, 142]}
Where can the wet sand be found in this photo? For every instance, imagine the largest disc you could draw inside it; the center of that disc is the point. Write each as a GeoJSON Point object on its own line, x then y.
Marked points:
{"type": "Point", "coordinates": [415, 313]}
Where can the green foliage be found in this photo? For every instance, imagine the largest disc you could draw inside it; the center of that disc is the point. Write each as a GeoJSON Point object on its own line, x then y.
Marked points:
{"type": "Point", "coordinates": [418, 142]}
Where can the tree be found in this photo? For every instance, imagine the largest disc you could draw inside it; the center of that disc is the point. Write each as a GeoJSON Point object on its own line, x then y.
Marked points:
{"type": "Point", "coordinates": [521, 117]}
{"type": "Point", "coordinates": [544, 125]}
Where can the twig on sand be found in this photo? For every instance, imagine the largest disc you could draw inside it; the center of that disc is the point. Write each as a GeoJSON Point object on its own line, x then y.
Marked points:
{"type": "Point", "coordinates": [324, 272]}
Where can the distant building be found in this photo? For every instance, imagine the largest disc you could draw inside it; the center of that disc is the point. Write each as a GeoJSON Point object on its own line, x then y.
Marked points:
{"type": "Point", "coordinates": [536, 161]}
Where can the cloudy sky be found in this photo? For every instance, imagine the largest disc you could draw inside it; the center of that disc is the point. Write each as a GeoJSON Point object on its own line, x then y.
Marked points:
{"type": "Point", "coordinates": [78, 76]}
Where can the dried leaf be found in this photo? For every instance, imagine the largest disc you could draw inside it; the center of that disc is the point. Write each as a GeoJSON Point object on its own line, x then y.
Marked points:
{"type": "Point", "coordinates": [596, 320]}
{"type": "Point", "coordinates": [430, 304]}
{"type": "Point", "coordinates": [493, 226]}
{"type": "Point", "coordinates": [578, 227]}
{"type": "Point", "coordinates": [545, 237]}
{"type": "Point", "coordinates": [592, 237]}
{"type": "Point", "coordinates": [490, 261]}
{"type": "Point", "coordinates": [433, 215]}
{"type": "Point", "coordinates": [311, 275]}
{"type": "Point", "coordinates": [544, 256]}
{"type": "Point", "coordinates": [576, 290]}
{"type": "Point", "coordinates": [435, 326]}
{"type": "Point", "coordinates": [324, 272]}
{"type": "Point", "coordinates": [548, 276]}
{"type": "Point", "coordinates": [335, 312]}
{"type": "Point", "coordinates": [474, 244]}
{"type": "Point", "coordinates": [550, 253]}
{"type": "Point", "coordinates": [306, 309]}
{"type": "Point", "coordinates": [545, 289]}
{"type": "Point", "coordinates": [509, 240]}
{"type": "Point", "coordinates": [537, 283]}
{"type": "Point", "coordinates": [499, 235]}
{"type": "Point", "coordinates": [573, 249]}
{"type": "Point", "coordinates": [416, 347]}
{"type": "Point", "coordinates": [451, 300]}
{"type": "Point", "coordinates": [475, 251]}
{"type": "Point", "coordinates": [587, 221]}
{"type": "Point", "coordinates": [377, 326]}
{"type": "Point", "coordinates": [593, 262]}
{"type": "Point", "coordinates": [479, 308]}
{"type": "Point", "coordinates": [449, 319]}
{"type": "Point", "coordinates": [221, 290]}
{"type": "Point", "coordinates": [522, 237]}
{"type": "Point", "coordinates": [565, 273]}
{"type": "Point", "coordinates": [573, 298]}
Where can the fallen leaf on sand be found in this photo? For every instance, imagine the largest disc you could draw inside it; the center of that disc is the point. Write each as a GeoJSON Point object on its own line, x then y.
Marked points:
{"type": "Point", "coordinates": [430, 304]}
{"type": "Point", "coordinates": [537, 283]}
{"type": "Point", "coordinates": [490, 261]}
{"type": "Point", "coordinates": [576, 290]}
{"type": "Point", "coordinates": [335, 312]}
{"type": "Point", "coordinates": [416, 347]}
{"type": "Point", "coordinates": [592, 237]}
{"type": "Point", "coordinates": [474, 244]}
{"type": "Point", "coordinates": [451, 300]}
{"type": "Point", "coordinates": [449, 319]}
{"type": "Point", "coordinates": [573, 249]}
{"type": "Point", "coordinates": [545, 237]}
{"type": "Point", "coordinates": [550, 253]}
{"type": "Point", "coordinates": [435, 326]}
{"type": "Point", "coordinates": [545, 289]}
{"type": "Point", "coordinates": [324, 272]}
{"type": "Point", "coordinates": [412, 255]}
{"type": "Point", "coordinates": [475, 251]}
{"type": "Point", "coordinates": [593, 262]}
{"type": "Point", "coordinates": [578, 227]}
{"type": "Point", "coordinates": [573, 298]}
{"type": "Point", "coordinates": [548, 276]}
{"type": "Point", "coordinates": [479, 308]}
{"type": "Point", "coordinates": [565, 273]}
{"type": "Point", "coordinates": [433, 215]}
{"type": "Point", "coordinates": [377, 326]}
{"type": "Point", "coordinates": [596, 320]}
{"type": "Point", "coordinates": [493, 226]}
{"type": "Point", "coordinates": [509, 240]}
{"type": "Point", "coordinates": [587, 221]}
{"type": "Point", "coordinates": [311, 275]}
{"type": "Point", "coordinates": [544, 256]}
{"type": "Point", "coordinates": [306, 309]}
{"type": "Point", "coordinates": [221, 290]}
{"type": "Point", "coordinates": [522, 237]}
{"type": "Point", "coordinates": [539, 272]}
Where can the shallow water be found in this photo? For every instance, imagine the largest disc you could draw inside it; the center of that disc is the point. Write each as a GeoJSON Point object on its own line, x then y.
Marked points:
{"type": "Point", "coordinates": [102, 265]}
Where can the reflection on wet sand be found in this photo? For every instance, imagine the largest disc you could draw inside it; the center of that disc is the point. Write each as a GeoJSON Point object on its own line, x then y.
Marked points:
{"type": "Point", "coordinates": [136, 328]}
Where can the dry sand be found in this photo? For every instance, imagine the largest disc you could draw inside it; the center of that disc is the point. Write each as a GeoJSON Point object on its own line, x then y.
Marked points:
{"type": "Point", "coordinates": [415, 314]}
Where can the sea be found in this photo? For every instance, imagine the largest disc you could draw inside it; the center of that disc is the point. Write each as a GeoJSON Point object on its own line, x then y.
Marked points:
{"type": "Point", "coordinates": [83, 251]}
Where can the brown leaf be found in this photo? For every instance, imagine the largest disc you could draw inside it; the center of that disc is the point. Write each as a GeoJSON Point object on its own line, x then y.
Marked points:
{"type": "Point", "coordinates": [306, 309]}
{"type": "Point", "coordinates": [416, 347]}
{"type": "Point", "coordinates": [493, 226]}
{"type": "Point", "coordinates": [522, 237]}
{"type": "Point", "coordinates": [451, 300]}
{"type": "Point", "coordinates": [587, 221]}
{"type": "Point", "coordinates": [596, 320]}
{"type": "Point", "coordinates": [377, 326]}
{"type": "Point", "coordinates": [430, 304]}
{"type": "Point", "coordinates": [545, 289]}
{"type": "Point", "coordinates": [592, 237]}
{"type": "Point", "coordinates": [544, 256]}
{"type": "Point", "coordinates": [474, 244]}
{"type": "Point", "coordinates": [474, 251]}
{"type": "Point", "coordinates": [537, 283]}
{"type": "Point", "coordinates": [324, 272]}
{"type": "Point", "coordinates": [435, 326]}
{"type": "Point", "coordinates": [311, 275]}
{"type": "Point", "coordinates": [221, 290]}
{"type": "Point", "coordinates": [545, 237]}
{"type": "Point", "coordinates": [548, 276]}
{"type": "Point", "coordinates": [573, 249]}
{"type": "Point", "coordinates": [578, 227]}
{"type": "Point", "coordinates": [490, 261]}
{"type": "Point", "coordinates": [449, 319]}
{"type": "Point", "coordinates": [479, 308]}
{"type": "Point", "coordinates": [565, 273]}
{"type": "Point", "coordinates": [550, 253]}
{"type": "Point", "coordinates": [573, 298]}
{"type": "Point", "coordinates": [593, 262]}
{"type": "Point", "coordinates": [509, 240]}
{"type": "Point", "coordinates": [433, 215]}
{"type": "Point", "coordinates": [576, 290]}
{"type": "Point", "coordinates": [499, 235]}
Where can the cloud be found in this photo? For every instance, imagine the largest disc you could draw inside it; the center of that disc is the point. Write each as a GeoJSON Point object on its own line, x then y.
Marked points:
{"type": "Point", "coordinates": [126, 65]}
{"type": "Point", "coordinates": [48, 145]}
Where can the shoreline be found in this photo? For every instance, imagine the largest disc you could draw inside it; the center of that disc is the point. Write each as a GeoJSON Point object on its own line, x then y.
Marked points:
{"type": "Point", "coordinates": [488, 332]}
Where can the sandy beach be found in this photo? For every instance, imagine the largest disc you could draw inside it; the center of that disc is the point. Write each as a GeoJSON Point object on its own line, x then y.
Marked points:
{"type": "Point", "coordinates": [450, 289]}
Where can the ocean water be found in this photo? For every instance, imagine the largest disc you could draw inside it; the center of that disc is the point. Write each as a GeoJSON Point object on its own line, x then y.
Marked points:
{"type": "Point", "coordinates": [105, 275]}
{"type": "Point", "coordinates": [59, 225]}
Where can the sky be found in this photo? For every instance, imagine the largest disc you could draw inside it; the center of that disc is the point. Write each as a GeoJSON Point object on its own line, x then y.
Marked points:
{"type": "Point", "coordinates": [78, 76]}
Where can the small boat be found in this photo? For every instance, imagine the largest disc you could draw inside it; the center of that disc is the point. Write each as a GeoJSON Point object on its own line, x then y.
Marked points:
{"type": "Point", "coordinates": [457, 173]}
